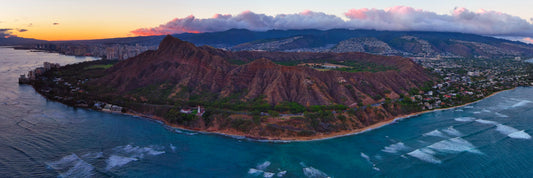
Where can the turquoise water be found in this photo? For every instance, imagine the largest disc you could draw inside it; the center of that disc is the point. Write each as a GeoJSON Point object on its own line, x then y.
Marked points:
{"type": "Point", "coordinates": [41, 138]}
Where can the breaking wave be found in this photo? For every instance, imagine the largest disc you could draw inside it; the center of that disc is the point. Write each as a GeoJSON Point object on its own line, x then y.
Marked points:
{"type": "Point", "coordinates": [137, 151]}
{"type": "Point", "coordinates": [395, 148]}
{"type": "Point", "coordinates": [118, 161]}
{"type": "Point", "coordinates": [261, 169]}
{"type": "Point", "coordinates": [454, 145]}
{"type": "Point", "coordinates": [367, 158]}
{"type": "Point", "coordinates": [521, 103]}
{"type": "Point", "coordinates": [312, 172]}
{"type": "Point", "coordinates": [263, 165]}
{"type": "Point", "coordinates": [465, 119]}
{"type": "Point", "coordinates": [426, 155]}
{"type": "Point", "coordinates": [452, 131]}
{"type": "Point", "coordinates": [435, 133]}
{"type": "Point", "coordinates": [520, 135]}
{"type": "Point", "coordinates": [500, 114]}
{"type": "Point", "coordinates": [486, 121]}
{"type": "Point", "coordinates": [512, 132]}
{"type": "Point", "coordinates": [72, 166]}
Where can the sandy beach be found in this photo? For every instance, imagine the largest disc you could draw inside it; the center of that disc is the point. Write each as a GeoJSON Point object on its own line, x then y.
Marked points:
{"type": "Point", "coordinates": [310, 138]}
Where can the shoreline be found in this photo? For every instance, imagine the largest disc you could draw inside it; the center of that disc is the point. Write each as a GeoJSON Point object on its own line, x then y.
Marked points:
{"type": "Point", "coordinates": [305, 139]}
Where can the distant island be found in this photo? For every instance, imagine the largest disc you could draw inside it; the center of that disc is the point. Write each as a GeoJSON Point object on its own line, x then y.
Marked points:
{"type": "Point", "coordinates": [274, 95]}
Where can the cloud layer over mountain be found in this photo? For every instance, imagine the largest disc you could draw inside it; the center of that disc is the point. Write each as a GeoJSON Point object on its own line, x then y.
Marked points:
{"type": "Point", "coordinates": [398, 18]}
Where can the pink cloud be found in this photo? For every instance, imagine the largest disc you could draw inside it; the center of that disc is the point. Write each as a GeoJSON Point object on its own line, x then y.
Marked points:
{"type": "Point", "coordinates": [397, 18]}
{"type": "Point", "coordinates": [528, 39]}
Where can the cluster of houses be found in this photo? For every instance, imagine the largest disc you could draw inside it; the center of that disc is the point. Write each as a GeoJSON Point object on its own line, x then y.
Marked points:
{"type": "Point", "coordinates": [33, 74]}
{"type": "Point", "coordinates": [107, 107]}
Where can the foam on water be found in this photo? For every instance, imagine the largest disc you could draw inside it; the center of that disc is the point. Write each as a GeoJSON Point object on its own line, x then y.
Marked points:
{"type": "Point", "coordinates": [486, 122]}
{"type": "Point", "coordinates": [118, 161]}
{"type": "Point", "coordinates": [425, 154]}
{"type": "Point", "coordinates": [365, 156]}
{"type": "Point", "coordinates": [312, 172]}
{"type": "Point", "coordinates": [268, 174]}
{"type": "Point", "coordinates": [435, 133]}
{"type": "Point", "coordinates": [80, 169]}
{"type": "Point", "coordinates": [395, 148]}
{"type": "Point", "coordinates": [254, 171]}
{"type": "Point", "coordinates": [74, 166]}
{"type": "Point", "coordinates": [93, 155]}
{"type": "Point", "coordinates": [452, 131]}
{"type": "Point", "coordinates": [454, 145]}
{"type": "Point", "coordinates": [281, 173]}
{"type": "Point", "coordinates": [500, 114]}
{"type": "Point", "coordinates": [172, 147]}
{"type": "Point", "coordinates": [521, 103]}
{"type": "Point", "coordinates": [137, 151]}
{"type": "Point", "coordinates": [263, 165]}
{"type": "Point", "coordinates": [520, 135]}
{"type": "Point", "coordinates": [465, 119]}
{"type": "Point", "coordinates": [63, 162]}
{"type": "Point", "coordinates": [512, 132]}
{"type": "Point", "coordinates": [506, 130]}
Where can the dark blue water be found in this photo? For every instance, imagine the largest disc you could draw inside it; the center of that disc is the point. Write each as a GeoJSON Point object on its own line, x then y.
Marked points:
{"type": "Point", "coordinates": [40, 138]}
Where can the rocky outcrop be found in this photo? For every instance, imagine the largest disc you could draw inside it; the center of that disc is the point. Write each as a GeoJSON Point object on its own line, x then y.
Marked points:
{"type": "Point", "coordinates": [205, 70]}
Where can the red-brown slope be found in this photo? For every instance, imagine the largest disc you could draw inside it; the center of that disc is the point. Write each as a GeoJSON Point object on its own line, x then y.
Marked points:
{"type": "Point", "coordinates": [206, 69]}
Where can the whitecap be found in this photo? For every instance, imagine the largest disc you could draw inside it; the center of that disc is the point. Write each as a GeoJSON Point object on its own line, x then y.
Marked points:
{"type": "Point", "coordinates": [521, 103]}
{"type": "Point", "coordinates": [454, 145]}
{"type": "Point", "coordinates": [281, 173]}
{"type": "Point", "coordinates": [76, 166]}
{"type": "Point", "coordinates": [254, 171]}
{"type": "Point", "coordinates": [93, 155]}
{"type": "Point", "coordinates": [172, 147]}
{"type": "Point", "coordinates": [477, 112]}
{"type": "Point", "coordinates": [313, 172]}
{"type": "Point", "coordinates": [512, 132]}
{"type": "Point", "coordinates": [520, 135]}
{"type": "Point", "coordinates": [459, 110]}
{"type": "Point", "coordinates": [425, 155]}
{"type": "Point", "coordinates": [365, 156]}
{"type": "Point", "coordinates": [452, 131]}
{"type": "Point", "coordinates": [435, 133]}
{"type": "Point", "coordinates": [80, 169]}
{"type": "Point", "coordinates": [64, 162]}
{"type": "Point", "coordinates": [500, 114]}
{"type": "Point", "coordinates": [487, 122]}
{"type": "Point", "coordinates": [395, 148]}
{"type": "Point", "coordinates": [263, 165]}
{"type": "Point", "coordinates": [465, 119]}
{"type": "Point", "coordinates": [137, 151]}
{"type": "Point", "coordinates": [118, 161]}
{"type": "Point", "coordinates": [268, 174]}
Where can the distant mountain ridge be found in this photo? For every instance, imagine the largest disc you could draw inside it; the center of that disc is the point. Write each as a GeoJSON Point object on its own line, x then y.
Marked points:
{"type": "Point", "coordinates": [402, 43]}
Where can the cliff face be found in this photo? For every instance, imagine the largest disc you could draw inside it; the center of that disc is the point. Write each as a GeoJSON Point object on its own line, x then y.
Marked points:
{"type": "Point", "coordinates": [191, 70]}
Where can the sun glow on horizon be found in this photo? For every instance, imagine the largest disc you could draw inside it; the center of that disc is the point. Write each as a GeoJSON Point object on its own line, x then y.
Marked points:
{"type": "Point", "coordinates": [58, 20]}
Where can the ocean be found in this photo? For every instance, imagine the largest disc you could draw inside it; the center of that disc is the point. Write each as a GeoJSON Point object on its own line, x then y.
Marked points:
{"type": "Point", "coordinates": [43, 138]}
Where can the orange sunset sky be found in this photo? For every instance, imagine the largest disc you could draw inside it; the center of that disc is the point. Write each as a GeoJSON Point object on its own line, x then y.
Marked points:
{"type": "Point", "coordinates": [96, 19]}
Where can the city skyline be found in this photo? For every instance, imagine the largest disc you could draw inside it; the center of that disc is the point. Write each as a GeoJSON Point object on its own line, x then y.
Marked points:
{"type": "Point", "coordinates": [79, 20]}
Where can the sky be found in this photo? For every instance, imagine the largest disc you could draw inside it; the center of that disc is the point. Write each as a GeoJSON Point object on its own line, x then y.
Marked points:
{"type": "Point", "coordinates": [97, 19]}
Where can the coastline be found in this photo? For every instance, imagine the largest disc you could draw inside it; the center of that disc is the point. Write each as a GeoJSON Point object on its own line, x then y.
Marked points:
{"type": "Point", "coordinates": [310, 138]}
